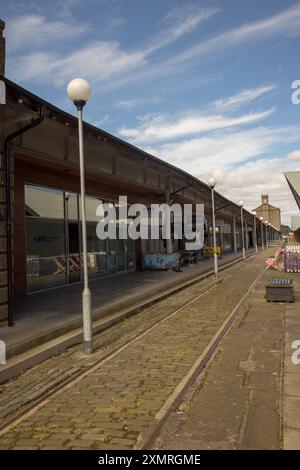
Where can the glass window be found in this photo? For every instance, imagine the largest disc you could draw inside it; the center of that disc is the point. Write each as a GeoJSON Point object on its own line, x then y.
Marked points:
{"type": "Point", "coordinates": [227, 237]}
{"type": "Point", "coordinates": [45, 238]}
{"type": "Point", "coordinates": [73, 237]}
{"type": "Point", "coordinates": [44, 202]}
{"type": "Point", "coordinates": [130, 254]}
{"type": "Point", "coordinates": [72, 206]}
{"type": "Point", "coordinates": [54, 251]}
{"type": "Point", "coordinates": [96, 248]}
{"type": "Point", "coordinates": [91, 204]}
{"type": "Point", "coordinates": [120, 255]}
{"type": "Point", "coordinates": [111, 256]}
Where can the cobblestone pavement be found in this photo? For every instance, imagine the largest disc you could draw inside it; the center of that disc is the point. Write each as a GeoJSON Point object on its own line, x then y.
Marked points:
{"type": "Point", "coordinates": [237, 403]}
{"type": "Point", "coordinates": [108, 408]}
{"type": "Point", "coordinates": [32, 384]}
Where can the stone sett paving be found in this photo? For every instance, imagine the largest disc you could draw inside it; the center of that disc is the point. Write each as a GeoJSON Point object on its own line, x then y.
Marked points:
{"type": "Point", "coordinates": [110, 407]}
{"type": "Point", "coordinates": [237, 404]}
{"type": "Point", "coordinates": [34, 382]}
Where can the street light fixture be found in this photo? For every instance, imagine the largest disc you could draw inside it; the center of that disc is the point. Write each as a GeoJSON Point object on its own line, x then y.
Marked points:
{"type": "Point", "coordinates": [267, 244]}
{"type": "Point", "coordinates": [79, 91]}
{"type": "Point", "coordinates": [241, 203]}
{"type": "Point", "coordinates": [254, 225]}
{"type": "Point", "coordinates": [262, 233]}
{"type": "Point", "coordinates": [212, 183]}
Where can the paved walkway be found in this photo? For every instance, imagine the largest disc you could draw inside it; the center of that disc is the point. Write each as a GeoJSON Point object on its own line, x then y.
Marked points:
{"type": "Point", "coordinates": [111, 406]}
{"type": "Point", "coordinates": [291, 396]}
{"type": "Point", "coordinates": [239, 402]}
{"type": "Point", "coordinates": [53, 312]}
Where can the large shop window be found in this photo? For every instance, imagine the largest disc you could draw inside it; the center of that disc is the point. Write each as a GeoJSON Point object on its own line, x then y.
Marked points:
{"type": "Point", "coordinates": [53, 232]}
{"type": "Point", "coordinates": [97, 251]}
{"type": "Point", "coordinates": [45, 229]}
{"type": "Point", "coordinates": [227, 237]}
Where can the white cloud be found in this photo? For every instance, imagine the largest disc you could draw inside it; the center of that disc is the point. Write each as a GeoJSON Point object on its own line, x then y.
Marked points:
{"type": "Point", "coordinates": [34, 31]}
{"type": "Point", "coordinates": [126, 104]}
{"type": "Point", "coordinates": [227, 148]}
{"type": "Point", "coordinates": [295, 155]}
{"type": "Point", "coordinates": [286, 22]}
{"type": "Point", "coordinates": [251, 180]}
{"type": "Point", "coordinates": [239, 160]}
{"type": "Point", "coordinates": [130, 103]}
{"type": "Point", "coordinates": [98, 61]}
{"type": "Point", "coordinates": [161, 127]}
{"type": "Point", "coordinates": [67, 7]}
{"type": "Point", "coordinates": [186, 20]}
{"type": "Point", "coordinates": [243, 98]}
{"type": "Point", "coordinates": [105, 120]}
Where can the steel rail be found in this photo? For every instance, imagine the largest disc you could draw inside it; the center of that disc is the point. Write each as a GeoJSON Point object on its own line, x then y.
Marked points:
{"type": "Point", "coordinates": [147, 438]}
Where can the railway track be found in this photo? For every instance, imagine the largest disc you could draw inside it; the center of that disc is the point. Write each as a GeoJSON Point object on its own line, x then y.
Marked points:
{"type": "Point", "coordinates": [145, 439]}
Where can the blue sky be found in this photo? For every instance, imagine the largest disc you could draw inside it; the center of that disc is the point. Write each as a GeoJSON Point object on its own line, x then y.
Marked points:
{"type": "Point", "coordinates": [205, 85]}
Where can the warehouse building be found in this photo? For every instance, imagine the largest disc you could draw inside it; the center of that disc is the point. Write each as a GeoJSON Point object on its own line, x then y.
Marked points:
{"type": "Point", "coordinates": [40, 217]}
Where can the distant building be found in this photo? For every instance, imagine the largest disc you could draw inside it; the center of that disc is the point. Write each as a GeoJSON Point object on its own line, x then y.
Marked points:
{"type": "Point", "coordinates": [285, 230]}
{"type": "Point", "coordinates": [268, 212]}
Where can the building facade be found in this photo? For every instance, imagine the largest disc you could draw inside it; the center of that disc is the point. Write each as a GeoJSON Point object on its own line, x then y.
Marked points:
{"type": "Point", "coordinates": [268, 212]}
{"type": "Point", "coordinates": [40, 236]}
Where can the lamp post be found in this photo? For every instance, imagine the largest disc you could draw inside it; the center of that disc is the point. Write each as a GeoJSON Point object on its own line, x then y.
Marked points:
{"type": "Point", "coordinates": [270, 232]}
{"type": "Point", "coordinates": [79, 91]}
{"type": "Point", "coordinates": [241, 203]}
{"type": "Point", "coordinates": [254, 225]}
{"type": "Point", "coordinates": [212, 183]}
{"type": "Point", "coordinates": [266, 222]}
{"type": "Point", "coordinates": [262, 232]}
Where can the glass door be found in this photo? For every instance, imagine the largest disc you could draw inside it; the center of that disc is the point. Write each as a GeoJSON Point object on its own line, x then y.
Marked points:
{"type": "Point", "coordinates": [72, 237]}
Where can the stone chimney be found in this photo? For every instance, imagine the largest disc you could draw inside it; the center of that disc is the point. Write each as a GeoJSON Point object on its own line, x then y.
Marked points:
{"type": "Point", "coordinates": [2, 48]}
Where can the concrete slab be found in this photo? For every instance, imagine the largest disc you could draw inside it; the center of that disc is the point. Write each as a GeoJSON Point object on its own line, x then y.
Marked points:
{"type": "Point", "coordinates": [291, 417]}
{"type": "Point", "coordinates": [292, 439]}
{"type": "Point", "coordinates": [291, 384]}
{"type": "Point", "coordinates": [236, 404]}
{"type": "Point", "coordinates": [288, 365]}
{"type": "Point", "coordinates": [291, 377]}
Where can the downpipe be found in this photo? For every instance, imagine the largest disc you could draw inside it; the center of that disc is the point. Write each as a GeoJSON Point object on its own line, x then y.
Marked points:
{"type": "Point", "coordinates": [34, 122]}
